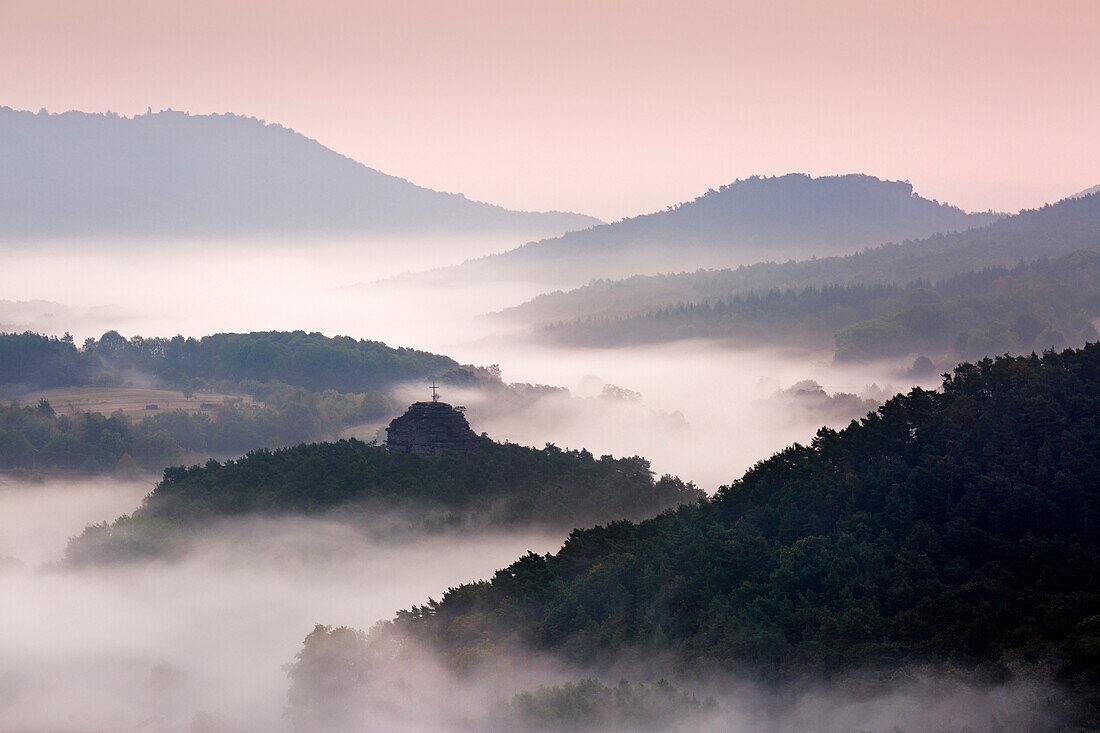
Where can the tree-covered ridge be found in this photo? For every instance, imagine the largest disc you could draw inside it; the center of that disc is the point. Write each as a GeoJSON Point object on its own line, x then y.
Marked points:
{"type": "Point", "coordinates": [1041, 304]}
{"type": "Point", "coordinates": [310, 360]}
{"type": "Point", "coordinates": [309, 387]}
{"type": "Point", "coordinates": [34, 439]}
{"type": "Point", "coordinates": [493, 485]}
{"type": "Point", "coordinates": [1053, 231]}
{"type": "Point", "coordinates": [958, 526]}
{"type": "Point", "coordinates": [36, 360]}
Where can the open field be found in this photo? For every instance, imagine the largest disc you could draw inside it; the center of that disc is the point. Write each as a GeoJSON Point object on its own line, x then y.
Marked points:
{"type": "Point", "coordinates": [134, 401]}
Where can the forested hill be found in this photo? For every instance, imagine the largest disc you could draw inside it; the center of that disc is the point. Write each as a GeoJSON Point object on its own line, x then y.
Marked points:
{"type": "Point", "coordinates": [1050, 232]}
{"type": "Point", "coordinates": [747, 221]}
{"type": "Point", "coordinates": [503, 486]}
{"type": "Point", "coordinates": [309, 360]}
{"type": "Point", "coordinates": [185, 399]}
{"type": "Point", "coordinates": [960, 526]}
{"type": "Point", "coordinates": [1045, 304]}
{"type": "Point", "coordinates": [173, 174]}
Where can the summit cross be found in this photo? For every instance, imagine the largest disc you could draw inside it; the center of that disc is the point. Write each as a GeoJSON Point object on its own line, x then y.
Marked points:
{"type": "Point", "coordinates": [435, 397]}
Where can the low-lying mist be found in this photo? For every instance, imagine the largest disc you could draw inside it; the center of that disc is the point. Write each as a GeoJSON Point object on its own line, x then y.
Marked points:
{"type": "Point", "coordinates": [37, 518]}
{"type": "Point", "coordinates": [706, 412]}
{"type": "Point", "coordinates": [203, 644]}
{"type": "Point", "coordinates": [345, 681]}
{"type": "Point", "coordinates": [198, 287]}
{"type": "Point", "coordinates": [697, 410]}
{"type": "Point", "coordinates": [160, 646]}
{"type": "Point", "coordinates": [200, 644]}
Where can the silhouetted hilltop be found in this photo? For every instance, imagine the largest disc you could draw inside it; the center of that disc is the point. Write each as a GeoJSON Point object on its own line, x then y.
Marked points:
{"type": "Point", "coordinates": [747, 221]}
{"type": "Point", "coordinates": [174, 174]}
{"type": "Point", "coordinates": [1053, 231]}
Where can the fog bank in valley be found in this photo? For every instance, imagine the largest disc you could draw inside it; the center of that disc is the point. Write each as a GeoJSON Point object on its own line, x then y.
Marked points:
{"type": "Point", "coordinates": [403, 686]}
{"type": "Point", "coordinates": [705, 412]}
{"type": "Point", "coordinates": [159, 646]}
{"type": "Point", "coordinates": [700, 411]}
{"type": "Point", "coordinates": [201, 644]}
{"type": "Point", "coordinates": [36, 519]}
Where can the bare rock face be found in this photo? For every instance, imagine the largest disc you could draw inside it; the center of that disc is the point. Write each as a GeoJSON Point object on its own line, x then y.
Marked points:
{"type": "Point", "coordinates": [429, 429]}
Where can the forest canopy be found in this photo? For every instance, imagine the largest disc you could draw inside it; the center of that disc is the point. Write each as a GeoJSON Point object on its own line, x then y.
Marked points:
{"type": "Point", "coordinates": [1050, 232]}
{"type": "Point", "coordinates": [955, 527]}
{"type": "Point", "coordinates": [1044, 304]}
{"type": "Point", "coordinates": [283, 388]}
{"type": "Point", "coordinates": [301, 359]}
{"type": "Point", "coordinates": [504, 486]}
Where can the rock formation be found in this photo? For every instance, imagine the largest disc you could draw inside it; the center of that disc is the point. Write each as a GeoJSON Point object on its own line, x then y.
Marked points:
{"type": "Point", "coordinates": [429, 429]}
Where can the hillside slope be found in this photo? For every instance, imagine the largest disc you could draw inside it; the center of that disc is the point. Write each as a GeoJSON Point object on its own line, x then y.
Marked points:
{"type": "Point", "coordinates": [1053, 231]}
{"type": "Point", "coordinates": [173, 174]}
{"type": "Point", "coordinates": [492, 485]}
{"type": "Point", "coordinates": [1044, 304]}
{"type": "Point", "coordinates": [959, 527]}
{"type": "Point", "coordinates": [747, 221]}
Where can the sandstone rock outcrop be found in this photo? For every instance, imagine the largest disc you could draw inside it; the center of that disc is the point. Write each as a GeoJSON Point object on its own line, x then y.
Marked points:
{"type": "Point", "coordinates": [430, 429]}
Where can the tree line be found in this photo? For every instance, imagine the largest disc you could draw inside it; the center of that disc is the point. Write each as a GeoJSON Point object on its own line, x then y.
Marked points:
{"type": "Point", "coordinates": [957, 528]}
{"type": "Point", "coordinates": [309, 360]}
{"type": "Point", "coordinates": [1044, 304]}
{"type": "Point", "coordinates": [493, 486]}
{"type": "Point", "coordinates": [35, 439]}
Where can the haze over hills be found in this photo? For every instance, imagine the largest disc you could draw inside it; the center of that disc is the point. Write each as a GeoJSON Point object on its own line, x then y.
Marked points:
{"type": "Point", "coordinates": [747, 221]}
{"type": "Point", "coordinates": [1052, 231]}
{"type": "Point", "coordinates": [173, 174]}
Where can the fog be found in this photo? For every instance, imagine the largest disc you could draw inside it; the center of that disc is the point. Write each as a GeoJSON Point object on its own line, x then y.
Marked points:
{"type": "Point", "coordinates": [156, 646]}
{"type": "Point", "coordinates": [163, 646]}
{"type": "Point", "coordinates": [705, 411]}
{"type": "Point", "coordinates": [36, 519]}
{"type": "Point", "coordinates": [412, 689]}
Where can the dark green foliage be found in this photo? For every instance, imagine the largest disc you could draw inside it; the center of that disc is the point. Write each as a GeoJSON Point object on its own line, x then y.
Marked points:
{"type": "Point", "coordinates": [37, 361]}
{"type": "Point", "coordinates": [297, 358]}
{"type": "Point", "coordinates": [34, 438]}
{"type": "Point", "coordinates": [957, 527]}
{"type": "Point", "coordinates": [502, 485]}
{"type": "Point", "coordinates": [1043, 304]}
{"type": "Point", "coordinates": [589, 704]}
{"type": "Point", "coordinates": [309, 360]}
{"type": "Point", "coordinates": [311, 387]}
{"type": "Point", "coordinates": [495, 483]}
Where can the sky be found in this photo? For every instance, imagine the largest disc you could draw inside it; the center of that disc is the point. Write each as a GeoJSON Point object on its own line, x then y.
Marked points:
{"type": "Point", "coordinates": [606, 107]}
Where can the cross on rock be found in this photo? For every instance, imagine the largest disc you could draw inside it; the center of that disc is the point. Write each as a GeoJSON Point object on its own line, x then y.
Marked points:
{"type": "Point", "coordinates": [435, 397]}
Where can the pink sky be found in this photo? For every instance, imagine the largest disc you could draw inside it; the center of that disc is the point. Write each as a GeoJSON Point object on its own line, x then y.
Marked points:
{"type": "Point", "coordinates": [607, 107]}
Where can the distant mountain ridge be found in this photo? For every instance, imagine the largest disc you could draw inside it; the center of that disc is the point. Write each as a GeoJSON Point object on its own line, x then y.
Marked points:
{"type": "Point", "coordinates": [751, 220]}
{"type": "Point", "coordinates": [174, 174]}
{"type": "Point", "coordinates": [1053, 231]}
